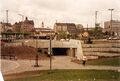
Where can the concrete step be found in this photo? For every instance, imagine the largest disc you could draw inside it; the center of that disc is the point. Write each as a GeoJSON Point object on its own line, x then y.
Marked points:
{"type": "Point", "coordinates": [100, 54]}
{"type": "Point", "coordinates": [111, 50]}
{"type": "Point", "coordinates": [114, 45]}
{"type": "Point", "coordinates": [102, 41]}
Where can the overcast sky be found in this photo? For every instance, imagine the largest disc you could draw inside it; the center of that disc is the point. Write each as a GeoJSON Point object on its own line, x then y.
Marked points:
{"type": "Point", "coordinates": [73, 11]}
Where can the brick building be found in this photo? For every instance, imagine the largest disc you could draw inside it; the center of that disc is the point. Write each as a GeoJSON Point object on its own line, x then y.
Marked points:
{"type": "Point", "coordinates": [5, 27]}
{"type": "Point", "coordinates": [24, 26]}
{"type": "Point", "coordinates": [44, 33]}
{"type": "Point", "coordinates": [66, 27]}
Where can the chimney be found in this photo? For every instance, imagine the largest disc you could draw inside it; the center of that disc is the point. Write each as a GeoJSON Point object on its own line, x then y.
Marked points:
{"type": "Point", "coordinates": [26, 18]}
{"type": "Point", "coordinates": [42, 24]}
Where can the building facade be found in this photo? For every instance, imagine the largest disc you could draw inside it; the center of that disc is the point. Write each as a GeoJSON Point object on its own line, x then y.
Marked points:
{"type": "Point", "coordinates": [5, 27]}
{"type": "Point", "coordinates": [1, 27]}
{"type": "Point", "coordinates": [115, 28]}
{"type": "Point", "coordinates": [17, 27]}
{"type": "Point", "coordinates": [24, 26]}
{"type": "Point", "coordinates": [44, 33]}
{"type": "Point", "coordinates": [66, 27]}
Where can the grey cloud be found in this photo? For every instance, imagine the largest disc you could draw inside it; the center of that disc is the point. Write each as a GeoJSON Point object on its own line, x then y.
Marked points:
{"type": "Point", "coordinates": [64, 10]}
{"type": "Point", "coordinates": [54, 5]}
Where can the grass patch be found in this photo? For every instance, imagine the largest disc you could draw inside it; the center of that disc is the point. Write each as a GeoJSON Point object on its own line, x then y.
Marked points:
{"type": "Point", "coordinates": [74, 75]}
{"type": "Point", "coordinates": [105, 61]}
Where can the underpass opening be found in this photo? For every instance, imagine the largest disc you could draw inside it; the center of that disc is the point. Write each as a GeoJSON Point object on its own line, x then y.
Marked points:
{"type": "Point", "coordinates": [60, 51]}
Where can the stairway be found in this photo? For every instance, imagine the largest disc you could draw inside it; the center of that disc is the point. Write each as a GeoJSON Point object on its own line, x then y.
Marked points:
{"type": "Point", "coordinates": [102, 48]}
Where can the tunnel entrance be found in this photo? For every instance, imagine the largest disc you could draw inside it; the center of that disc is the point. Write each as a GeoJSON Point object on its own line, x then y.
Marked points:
{"type": "Point", "coordinates": [60, 51]}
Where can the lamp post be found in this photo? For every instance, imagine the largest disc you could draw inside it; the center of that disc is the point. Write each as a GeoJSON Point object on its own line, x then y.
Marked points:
{"type": "Point", "coordinates": [36, 59]}
{"type": "Point", "coordinates": [111, 10]}
{"type": "Point", "coordinates": [21, 16]}
{"type": "Point", "coordinates": [22, 25]}
{"type": "Point", "coordinates": [96, 12]}
{"type": "Point", "coordinates": [50, 51]}
{"type": "Point", "coordinates": [6, 20]}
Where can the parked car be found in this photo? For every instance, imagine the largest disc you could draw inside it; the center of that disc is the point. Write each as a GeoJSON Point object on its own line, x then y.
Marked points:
{"type": "Point", "coordinates": [114, 38]}
{"type": "Point", "coordinates": [110, 38]}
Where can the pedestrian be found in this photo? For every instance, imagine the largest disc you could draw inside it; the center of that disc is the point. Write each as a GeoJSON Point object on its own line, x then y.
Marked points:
{"type": "Point", "coordinates": [84, 60]}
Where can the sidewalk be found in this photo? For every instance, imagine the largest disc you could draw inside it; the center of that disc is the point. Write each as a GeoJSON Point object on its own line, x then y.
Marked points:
{"type": "Point", "coordinates": [60, 62]}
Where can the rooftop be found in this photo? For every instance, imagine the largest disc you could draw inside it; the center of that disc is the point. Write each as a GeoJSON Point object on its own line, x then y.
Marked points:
{"type": "Point", "coordinates": [68, 24]}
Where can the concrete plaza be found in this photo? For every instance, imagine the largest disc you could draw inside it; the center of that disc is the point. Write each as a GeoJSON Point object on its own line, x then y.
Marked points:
{"type": "Point", "coordinates": [58, 62]}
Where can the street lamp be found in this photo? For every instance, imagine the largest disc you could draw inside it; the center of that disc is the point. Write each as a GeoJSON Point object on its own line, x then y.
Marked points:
{"type": "Point", "coordinates": [96, 12]}
{"type": "Point", "coordinates": [21, 16]}
{"type": "Point", "coordinates": [50, 51]}
{"type": "Point", "coordinates": [22, 26]}
{"type": "Point", "coordinates": [111, 10]}
{"type": "Point", "coordinates": [36, 59]}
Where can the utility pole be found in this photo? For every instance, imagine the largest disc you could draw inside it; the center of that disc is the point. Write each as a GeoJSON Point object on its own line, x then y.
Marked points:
{"type": "Point", "coordinates": [96, 12]}
{"type": "Point", "coordinates": [50, 51]}
{"type": "Point", "coordinates": [111, 10]}
{"type": "Point", "coordinates": [7, 17]}
{"type": "Point", "coordinates": [87, 28]}
{"type": "Point", "coordinates": [36, 60]}
{"type": "Point", "coordinates": [42, 24]}
{"type": "Point", "coordinates": [6, 21]}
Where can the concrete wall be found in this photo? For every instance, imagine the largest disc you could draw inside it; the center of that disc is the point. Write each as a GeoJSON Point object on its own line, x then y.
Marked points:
{"type": "Point", "coordinates": [74, 45]}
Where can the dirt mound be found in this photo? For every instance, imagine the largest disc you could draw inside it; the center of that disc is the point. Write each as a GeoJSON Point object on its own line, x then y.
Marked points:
{"type": "Point", "coordinates": [22, 52]}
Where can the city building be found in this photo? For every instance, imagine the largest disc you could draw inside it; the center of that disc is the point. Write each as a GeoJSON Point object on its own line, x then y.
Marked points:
{"type": "Point", "coordinates": [5, 27]}
{"type": "Point", "coordinates": [24, 26]}
{"type": "Point", "coordinates": [69, 28]}
{"type": "Point", "coordinates": [1, 28]}
{"type": "Point", "coordinates": [44, 33]}
{"type": "Point", "coordinates": [17, 27]}
{"type": "Point", "coordinates": [115, 28]}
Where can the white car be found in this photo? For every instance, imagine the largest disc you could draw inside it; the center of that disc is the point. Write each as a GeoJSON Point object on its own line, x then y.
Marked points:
{"type": "Point", "coordinates": [113, 38]}
{"type": "Point", "coordinates": [110, 38]}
